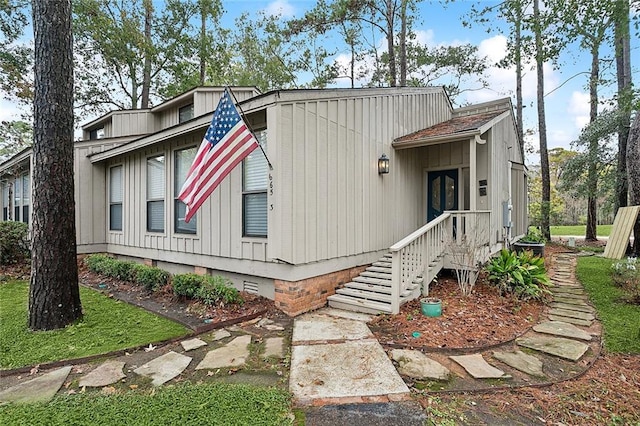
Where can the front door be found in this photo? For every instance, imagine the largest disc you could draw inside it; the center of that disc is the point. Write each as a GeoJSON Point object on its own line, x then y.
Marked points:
{"type": "Point", "coordinates": [442, 192]}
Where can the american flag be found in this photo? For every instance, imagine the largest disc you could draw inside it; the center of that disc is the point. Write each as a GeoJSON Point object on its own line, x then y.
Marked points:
{"type": "Point", "coordinates": [227, 142]}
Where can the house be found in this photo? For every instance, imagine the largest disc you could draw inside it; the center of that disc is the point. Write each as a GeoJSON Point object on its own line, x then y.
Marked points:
{"type": "Point", "coordinates": [325, 215]}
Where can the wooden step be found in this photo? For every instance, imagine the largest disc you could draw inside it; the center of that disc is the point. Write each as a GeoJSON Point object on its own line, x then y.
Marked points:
{"type": "Point", "coordinates": [349, 303]}
{"type": "Point", "coordinates": [366, 295]}
{"type": "Point", "coordinates": [382, 264]}
{"type": "Point", "coordinates": [369, 287]}
{"type": "Point", "coordinates": [380, 269]}
{"type": "Point", "coordinates": [371, 280]}
{"type": "Point", "coordinates": [379, 275]}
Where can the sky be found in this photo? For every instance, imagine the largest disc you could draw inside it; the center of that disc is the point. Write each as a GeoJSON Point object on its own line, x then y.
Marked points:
{"type": "Point", "coordinates": [567, 99]}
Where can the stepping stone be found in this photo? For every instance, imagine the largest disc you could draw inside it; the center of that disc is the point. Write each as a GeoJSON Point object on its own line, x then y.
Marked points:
{"type": "Point", "coordinates": [105, 374]}
{"type": "Point", "coordinates": [274, 347]}
{"type": "Point", "coordinates": [164, 368]}
{"type": "Point", "coordinates": [191, 344]}
{"type": "Point", "coordinates": [559, 328]}
{"type": "Point", "coordinates": [557, 346]}
{"type": "Point", "coordinates": [570, 320]}
{"type": "Point", "coordinates": [520, 361]}
{"type": "Point", "coordinates": [567, 290]}
{"type": "Point", "coordinates": [478, 368]}
{"type": "Point", "coordinates": [570, 300]}
{"type": "Point", "coordinates": [233, 354]}
{"type": "Point", "coordinates": [417, 365]}
{"type": "Point", "coordinates": [582, 307]}
{"type": "Point", "coordinates": [220, 334]}
{"type": "Point", "coordinates": [569, 284]}
{"type": "Point", "coordinates": [337, 370]}
{"type": "Point", "coordinates": [572, 314]}
{"type": "Point", "coordinates": [40, 389]}
{"type": "Point", "coordinates": [320, 327]}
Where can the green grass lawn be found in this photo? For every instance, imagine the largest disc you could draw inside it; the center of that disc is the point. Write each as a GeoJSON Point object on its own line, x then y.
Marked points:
{"type": "Point", "coordinates": [107, 325]}
{"type": "Point", "coordinates": [183, 404]}
{"type": "Point", "coordinates": [579, 230]}
{"type": "Point", "coordinates": [621, 321]}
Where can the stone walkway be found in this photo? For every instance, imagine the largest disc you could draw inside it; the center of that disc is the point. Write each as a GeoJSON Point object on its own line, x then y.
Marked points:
{"type": "Point", "coordinates": [335, 359]}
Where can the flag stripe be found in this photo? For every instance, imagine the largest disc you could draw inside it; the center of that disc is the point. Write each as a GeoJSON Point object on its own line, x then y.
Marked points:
{"type": "Point", "coordinates": [226, 143]}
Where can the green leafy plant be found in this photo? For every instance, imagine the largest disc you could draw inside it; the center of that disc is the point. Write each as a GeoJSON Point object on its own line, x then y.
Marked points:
{"type": "Point", "coordinates": [626, 274]}
{"type": "Point", "coordinates": [14, 242]}
{"type": "Point", "coordinates": [522, 275]}
{"type": "Point", "coordinates": [98, 263]}
{"type": "Point", "coordinates": [186, 285]}
{"type": "Point", "coordinates": [218, 290]}
{"type": "Point", "coordinates": [150, 277]}
{"type": "Point", "coordinates": [534, 235]}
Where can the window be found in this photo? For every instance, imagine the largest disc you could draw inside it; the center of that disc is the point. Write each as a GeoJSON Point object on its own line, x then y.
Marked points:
{"type": "Point", "coordinates": [25, 197]}
{"type": "Point", "coordinates": [96, 133]}
{"type": "Point", "coordinates": [183, 160]}
{"type": "Point", "coordinates": [115, 198]}
{"type": "Point", "coordinates": [255, 179]}
{"type": "Point", "coordinates": [155, 194]}
{"type": "Point", "coordinates": [5, 201]}
{"type": "Point", "coordinates": [185, 113]}
{"type": "Point", "coordinates": [17, 198]}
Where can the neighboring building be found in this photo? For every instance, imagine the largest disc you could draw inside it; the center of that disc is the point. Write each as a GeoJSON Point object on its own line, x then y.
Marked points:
{"type": "Point", "coordinates": [297, 232]}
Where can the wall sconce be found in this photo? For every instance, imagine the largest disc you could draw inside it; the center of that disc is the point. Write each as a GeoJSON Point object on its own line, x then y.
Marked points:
{"type": "Point", "coordinates": [383, 164]}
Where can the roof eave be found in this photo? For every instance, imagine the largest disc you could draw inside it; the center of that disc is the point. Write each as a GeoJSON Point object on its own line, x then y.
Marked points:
{"type": "Point", "coordinates": [434, 140]}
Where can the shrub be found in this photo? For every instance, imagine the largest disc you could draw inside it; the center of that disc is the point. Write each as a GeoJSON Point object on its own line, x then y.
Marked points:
{"type": "Point", "coordinates": [626, 274]}
{"type": "Point", "coordinates": [522, 275]}
{"type": "Point", "coordinates": [150, 277]}
{"type": "Point", "coordinates": [186, 285]}
{"type": "Point", "coordinates": [218, 290]}
{"type": "Point", "coordinates": [98, 263]}
{"type": "Point", "coordinates": [14, 242]}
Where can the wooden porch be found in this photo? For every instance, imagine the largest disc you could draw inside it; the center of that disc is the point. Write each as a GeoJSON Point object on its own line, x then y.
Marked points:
{"type": "Point", "coordinates": [456, 239]}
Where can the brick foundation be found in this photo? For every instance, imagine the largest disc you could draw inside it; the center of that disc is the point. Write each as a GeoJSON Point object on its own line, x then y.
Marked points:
{"type": "Point", "coordinates": [297, 297]}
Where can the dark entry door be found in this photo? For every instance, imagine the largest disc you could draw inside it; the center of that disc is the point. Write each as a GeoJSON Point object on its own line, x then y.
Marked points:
{"type": "Point", "coordinates": [442, 192]}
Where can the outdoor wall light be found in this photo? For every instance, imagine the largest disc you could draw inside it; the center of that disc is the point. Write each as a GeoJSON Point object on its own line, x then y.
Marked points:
{"type": "Point", "coordinates": [383, 164]}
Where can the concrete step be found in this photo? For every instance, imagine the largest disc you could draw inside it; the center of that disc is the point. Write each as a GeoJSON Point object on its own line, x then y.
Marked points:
{"type": "Point", "coordinates": [349, 303]}
{"type": "Point", "coordinates": [379, 275]}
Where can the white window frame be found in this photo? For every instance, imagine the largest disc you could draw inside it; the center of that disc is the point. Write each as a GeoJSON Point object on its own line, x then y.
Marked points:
{"type": "Point", "coordinates": [112, 202]}
{"type": "Point", "coordinates": [156, 199]}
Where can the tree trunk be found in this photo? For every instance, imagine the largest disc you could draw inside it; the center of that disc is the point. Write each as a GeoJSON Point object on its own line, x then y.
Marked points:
{"type": "Point", "coordinates": [592, 173]}
{"type": "Point", "coordinates": [146, 73]}
{"type": "Point", "coordinates": [54, 297]}
{"type": "Point", "coordinates": [518, 61]}
{"type": "Point", "coordinates": [203, 40]}
{"type": "Point", "coordinates": [402, 41]}
{"type": "Point", "coordinates": [542, 126]}
{"type": "Point", "coordinates": [393, 75]}
{"type": "Point", "coordinates": [633, 173]}
{"type": "Point", "coordinates": [623, 71]}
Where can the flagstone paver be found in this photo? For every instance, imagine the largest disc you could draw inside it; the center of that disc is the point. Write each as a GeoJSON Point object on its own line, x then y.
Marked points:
{"type": "Point", "coordinates": [164, 368]}
{"type": "Point", "coordinates": [581, 307]}
{"type": "Point", "coordinates": [568, 291]}
{"type": "Point", "coordinates": [274, 347]}
{"type": "Point", "coordinates": [573, 300]}
{"type": "Point", "coordinates": [478, 368]}
{"type": "Point", "coordinates": [191, 344]}
{"type": "Point", "coordinates": [233, 354]}
{"type": "Point", "coordinates": [563, 329]}
{"type": "Point", "coordinates": [417, 365]}
{"type": "Point", "coordinates": [220, 334]}
{"type": "Point", "coordinates": [557, 346]}
{"type": "Point", "coordinates": [103, 375]}
{"type": "Point", "coordinates": [585, 316]}
{"type": "Point", "coordinates": [40, 389]}
{"type": "Point", "coordinates": [570, 320]}
{"type": "Point", "coordinates": [521, 361]}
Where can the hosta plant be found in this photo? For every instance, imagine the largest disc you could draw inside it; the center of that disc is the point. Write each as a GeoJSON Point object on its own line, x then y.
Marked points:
{"type": "Point", "coordinates": [523, 275]}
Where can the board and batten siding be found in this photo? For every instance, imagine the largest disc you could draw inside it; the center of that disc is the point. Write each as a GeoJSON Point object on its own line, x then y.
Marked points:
{"type": "Point", "coordinates": [136, 122]}
{"type": "Point", "coordinates": [219, 219]}
{"type": "Point", "coordinates": [329, 200]}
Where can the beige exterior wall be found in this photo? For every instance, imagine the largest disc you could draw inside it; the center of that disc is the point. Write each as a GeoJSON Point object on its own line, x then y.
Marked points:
{"type": "Point", "coordinates": [328, 199]}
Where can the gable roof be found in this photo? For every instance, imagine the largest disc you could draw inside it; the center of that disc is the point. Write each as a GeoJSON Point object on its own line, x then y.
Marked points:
{"type": "Point", "coordinates": [457, 128]}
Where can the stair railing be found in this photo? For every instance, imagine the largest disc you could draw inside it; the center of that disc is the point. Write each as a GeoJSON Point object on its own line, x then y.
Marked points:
{"type": "Point", "coordinates": [411, 256]}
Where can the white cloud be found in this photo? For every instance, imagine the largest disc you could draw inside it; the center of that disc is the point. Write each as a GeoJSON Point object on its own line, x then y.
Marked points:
{"type": "Point", "coordinates": [425, 37]}
{"type": "Point", "coordinates": [578, 109]}
{"type": "Point", "coordinates": [280, 8]}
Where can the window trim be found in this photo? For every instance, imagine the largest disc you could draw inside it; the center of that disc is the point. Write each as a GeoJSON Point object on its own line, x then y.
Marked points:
{"type": "Point", "coordinates": [176, 191]}
{"type": "Point", "coordinates": [245, 234]}
{"type": "Point", "coordinates": [183, 108]}
{"type": "Point", "coordinates": [121, 203]}
{"type": "Point", "coordinates": [156, 200]}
